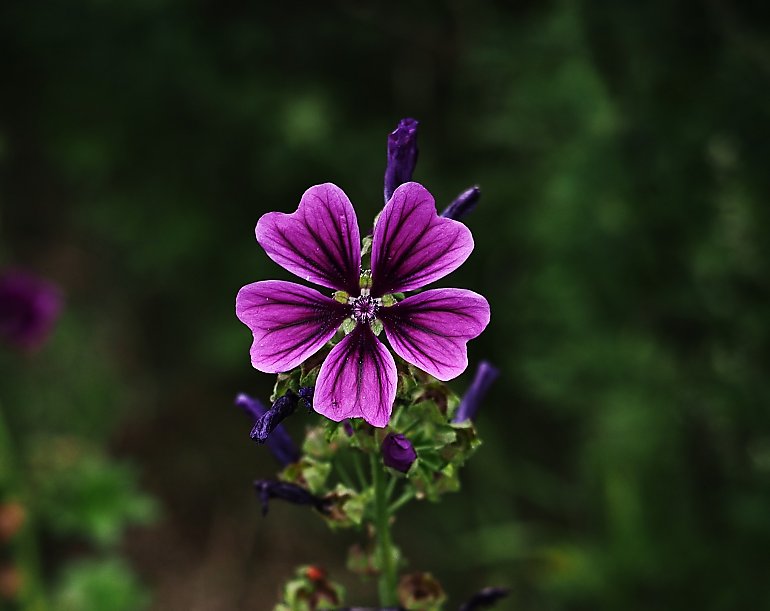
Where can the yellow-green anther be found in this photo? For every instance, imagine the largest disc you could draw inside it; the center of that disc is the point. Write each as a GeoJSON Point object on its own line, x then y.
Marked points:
{"type": "Point", "coordinates": [376, 326]}
{"type": "Point", "coordinates": [340, 296]}
{"type": "Point", "coordinates": [348, 325]}
{"type": "Point", "coordinates": [365, 282]}
{"type": "Point", "coordinates": [388, 300]}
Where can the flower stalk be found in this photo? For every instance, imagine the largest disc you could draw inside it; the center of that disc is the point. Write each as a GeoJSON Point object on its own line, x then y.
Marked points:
{"type": "Point", "coordinates": [387, 580]}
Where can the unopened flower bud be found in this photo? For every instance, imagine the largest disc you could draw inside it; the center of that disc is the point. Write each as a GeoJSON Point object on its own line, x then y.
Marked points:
{"type": "Point", "coordinates": [463, 204]}
{"type": "Point", "coordinates": [486, 373]}
{"type": "Point", "coordinates": [397, 452]}
{"type": "Point", "coordinates": [268, 489]}
{"type": "Point", "coordinates": [277, 438]}
{"type": "Point", "coordinates": [402, 156]}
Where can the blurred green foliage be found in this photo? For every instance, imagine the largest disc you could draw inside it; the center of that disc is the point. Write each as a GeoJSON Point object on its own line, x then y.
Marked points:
{"type": "Point", "coordinates": [622, 151]}
{"type": "Point", "coordinates": [106, 585]}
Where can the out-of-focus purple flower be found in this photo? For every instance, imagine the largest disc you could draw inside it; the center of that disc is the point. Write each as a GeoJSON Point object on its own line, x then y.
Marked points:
{"type": "Point", "coordinates": [29, 307]}
{"type": "Point", "coordinates": [271, 489]}
{"type": "Point", "coordinates": [485, 598]}
{"type": "Point", "coordinates": [463, 204]}
{"type": "Point", "coordinates": [402, 156]}
{"type": "Point", "coordinates": [411, 247]}
{"type": "Point", "coordinates": [486, 373]}
{"type": "Point", "coordinates": [278, 440]}
{"type": "Point", "coordinates": [397, 452]}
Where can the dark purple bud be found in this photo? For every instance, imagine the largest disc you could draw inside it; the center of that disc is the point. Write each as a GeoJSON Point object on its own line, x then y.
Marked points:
{"type": "Point", "coordinates": [278, 440]}
{"type": "Point", "coordinates": [402, 155]}
{"type": "Point", "coordinates": [463, 204]}
{"type": "Point", "coordinates": [485, 599]}
{"type": "Point", "coordinates": [282, 408]}
{"type": "Point", "coordinates": [306, 396]}
{"type": "Point", "coordinates": [486, 373]}
{"type": "Point", "coordinates": [397, 452]}
{"type": "Point", "coordinates": [29, 307]}
{"type": "Point", "coordinates": [348, 426]}
{"type": "Point", "coordinates": [270, 489]}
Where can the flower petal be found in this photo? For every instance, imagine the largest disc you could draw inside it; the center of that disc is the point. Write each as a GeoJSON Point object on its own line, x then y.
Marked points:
{"type": "Point", "coordinates": [290, 322]}
{"type": "Point", "coordinates": [431, 329]}
{"type": "Point", "coordinates": [357, 380]}
{"type": "Point", "coordinates": [319, 242]}
{"type": "Point", "coordinates": [413, 245]}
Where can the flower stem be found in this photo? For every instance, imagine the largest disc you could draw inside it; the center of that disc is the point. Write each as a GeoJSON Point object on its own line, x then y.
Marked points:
{"type": "Point", "coordinates": [387, 581]}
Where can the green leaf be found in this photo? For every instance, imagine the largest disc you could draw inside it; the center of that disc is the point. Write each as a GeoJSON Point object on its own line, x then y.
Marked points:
{"type": "Point", "coordinates": [99, 585]}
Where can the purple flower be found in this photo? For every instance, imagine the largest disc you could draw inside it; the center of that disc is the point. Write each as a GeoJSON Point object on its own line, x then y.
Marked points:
{"type": "Point", "coordinates": [275, 436]}
{"type": "Point", "coordinates": [397, 452]}
{"type": "Point", "coordinates": [269, 489]}
{"type": "Point", "coordinates": [320, 242]}
{"type": "Point", "coordinates": [29, 307]}
{"type": "Point", "coordinates": [402, 156]}
{"type": "Point", "coordinates": [463, 204]}
{"type": "Point", "coordinates": [486, 373]}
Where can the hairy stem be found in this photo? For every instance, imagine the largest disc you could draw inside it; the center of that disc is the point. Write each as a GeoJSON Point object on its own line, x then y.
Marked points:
{"type": "Point", "coordinates": [387, 581]}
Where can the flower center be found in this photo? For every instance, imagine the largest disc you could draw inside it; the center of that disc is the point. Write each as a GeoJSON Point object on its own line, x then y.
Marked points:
{"type": "Point", "coordinates": [364, 308]}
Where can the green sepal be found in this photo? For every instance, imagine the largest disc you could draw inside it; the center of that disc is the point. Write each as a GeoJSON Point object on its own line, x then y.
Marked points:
{"type": "Point", "coordinates": [309, 378]}
{"type": "Point", "coordinates": [346, 507]}
{"type": "Point", "coordinates": [465, 444]}
{"type": "Point", "coordinates": [361, 561]}
{"type": "Point", "coordinates": [421, 592]}
{"type": "Point", "coordinates": [365, 437]}
{"type": "Point", "coordinates": [307, 472]}
{"type": "Point", "coordinates": [366, 245]}
{"type": "Point", "coordinates": [406, 386]}
{"type": "Point", "coordinates": [430, 480]}
{"type": "Point", "coordinates": [285, 382]}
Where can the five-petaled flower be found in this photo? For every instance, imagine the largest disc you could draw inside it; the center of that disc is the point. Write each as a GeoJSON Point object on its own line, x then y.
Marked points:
{"type": "Point", "coordinates": [412, 246]}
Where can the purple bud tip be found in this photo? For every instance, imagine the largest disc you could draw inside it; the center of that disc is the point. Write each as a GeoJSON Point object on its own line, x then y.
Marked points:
{"type": "Point", "coordinates": [282, 408]}
{"type": "Point", "coordinates": [402, 156]}
{"type": "Point", "coordinates": [486, 373]}
{"type": "Point", "coordinates": [306, 395]}
{"type": "Point", "coordinates": [270, 489]}
{"type": "Point", "coordinates": [463, 204]}
{"type": "Point", "coordinates": [348, 426]}
{"type": "Point", "coordinates": [485, 599]}
{"type": "Point", "coordinates": [29, 307]}
{"type": "Point", "coordinates": [253, 407]}
{"type": "Point", "coordinates": [397, 452]}
{"type": "Point", "coordinates": [267, 428]}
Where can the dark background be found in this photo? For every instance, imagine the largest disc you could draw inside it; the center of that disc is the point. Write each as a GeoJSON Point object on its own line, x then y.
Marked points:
{"type": "Point", "coordinates": [622, 149]}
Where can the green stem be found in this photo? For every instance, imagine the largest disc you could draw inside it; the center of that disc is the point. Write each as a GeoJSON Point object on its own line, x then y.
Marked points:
{"type": "Point", "coordinates": [387, 581]}
{"type": "Point", "coordinates": [401, 501]}
{"type": "Point", "coordinates": [359, 471]}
